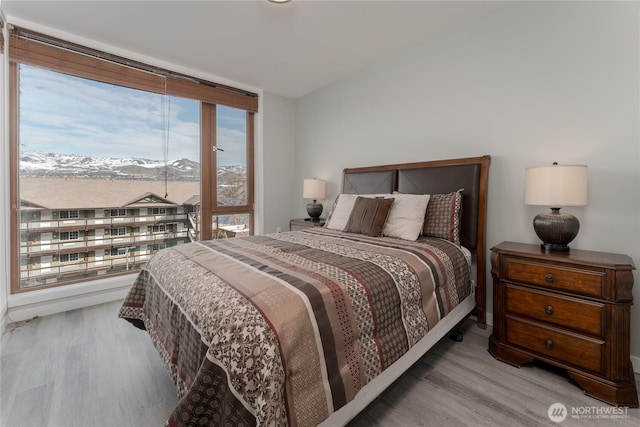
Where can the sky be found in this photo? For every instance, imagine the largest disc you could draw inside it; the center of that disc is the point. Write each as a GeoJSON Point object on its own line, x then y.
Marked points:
{"type": "Point", "coordinates": [70, 115]}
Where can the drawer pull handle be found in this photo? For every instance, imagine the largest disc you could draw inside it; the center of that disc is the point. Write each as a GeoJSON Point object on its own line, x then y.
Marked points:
{"type": "Point", "coordinates": [549, 310]}
{"type": "Point", "coordinates": [548, 344]}
{"type": "Point", "coordinates": [548, 277]}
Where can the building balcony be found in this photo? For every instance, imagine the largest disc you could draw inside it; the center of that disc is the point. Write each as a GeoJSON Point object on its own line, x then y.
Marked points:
{"type": "Point", "coordinates": [93, 223]}
{"type": "Point", "coordinates": [122, 262]}
{"type": "Point", "coordinates": [42, 248]}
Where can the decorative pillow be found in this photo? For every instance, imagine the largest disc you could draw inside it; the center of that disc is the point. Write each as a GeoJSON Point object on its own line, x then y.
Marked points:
{"type": "Point", "coordinates": [368, 216]}
{"type": "Point", "coordinates": [443, 216]}
{"type": "Point", "coordinates": [340, 212]}
{"type": "Point", "coordinates": [407, 216]}
{"type": "Point", "coordinates": [341, 209]}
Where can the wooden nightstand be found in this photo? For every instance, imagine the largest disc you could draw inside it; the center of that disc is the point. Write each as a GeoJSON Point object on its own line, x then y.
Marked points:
{"type": "Point", "coordinates": [570, 310]}
{"type": "Point", "coordinates": [300, 223]}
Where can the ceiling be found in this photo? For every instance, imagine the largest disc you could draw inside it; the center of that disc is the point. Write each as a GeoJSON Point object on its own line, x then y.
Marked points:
{"type": "Point", "coordinates": [288, 49]}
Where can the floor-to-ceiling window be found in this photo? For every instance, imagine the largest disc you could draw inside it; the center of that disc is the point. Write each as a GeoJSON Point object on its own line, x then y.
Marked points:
{"type": "Point", "coordinates": [113, 161]}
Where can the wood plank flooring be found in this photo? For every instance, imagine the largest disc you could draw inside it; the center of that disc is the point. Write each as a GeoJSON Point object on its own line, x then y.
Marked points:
{"type": "Point", "coordinates": [84, 368]}
{"type": "Point", "coordinates": [88, 368]}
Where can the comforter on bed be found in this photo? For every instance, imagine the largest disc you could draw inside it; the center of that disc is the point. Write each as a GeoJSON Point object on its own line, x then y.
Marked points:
{"type": "Point", "coordinates": [284, 329]}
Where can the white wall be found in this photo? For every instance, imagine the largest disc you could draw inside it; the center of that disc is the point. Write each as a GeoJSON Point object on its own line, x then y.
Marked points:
{"type": "Point", "coordinates": [531, 84]}
{"type": "Point", "coordinates": [280, 190]}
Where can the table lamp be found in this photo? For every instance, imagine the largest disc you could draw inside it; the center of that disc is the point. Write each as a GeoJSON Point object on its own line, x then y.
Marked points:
{"type": "Point", "coordinates": [556, 187]}
{"type": "Point", "coordinates": [314, 189]}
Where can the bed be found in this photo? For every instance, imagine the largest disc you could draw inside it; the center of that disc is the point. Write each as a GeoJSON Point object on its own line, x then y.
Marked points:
{"type": "Point", "coordinates": [308, 327]}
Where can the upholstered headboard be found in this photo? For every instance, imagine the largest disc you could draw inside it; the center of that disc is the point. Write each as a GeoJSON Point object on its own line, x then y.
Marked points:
{"type": "Point", "coordinates": [442, 176]}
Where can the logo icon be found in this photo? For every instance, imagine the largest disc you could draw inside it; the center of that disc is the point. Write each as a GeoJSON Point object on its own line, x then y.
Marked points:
{"type": "Point", "coordinates": [557, 412]}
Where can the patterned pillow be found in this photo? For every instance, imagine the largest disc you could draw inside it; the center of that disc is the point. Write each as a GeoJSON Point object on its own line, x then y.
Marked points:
{"type": "Point", "coordinates": [443, 217]}
{"type": "Point", "coordinates": [368, 216]}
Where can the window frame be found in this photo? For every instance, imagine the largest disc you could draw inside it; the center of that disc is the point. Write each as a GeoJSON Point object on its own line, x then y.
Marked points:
{"type": "Point", "coordinates": [118, 252]}
{"type": "Point", "coordinates": [68, 235]}
{"type": "Point", "coordinates": [208, 156]}
{"type": "Point", "coordinates": [118, 231]}
{"type": "Point", "coordinates": [39, 50]}
{"type": "Point", "coordinates": [69, 256]}
{"type": "Point", "coordinates": [67, 214]}
{"type": "Point", "coordinates": [157, 229]}
{"type": "Point", "coordinates": [115, 213]}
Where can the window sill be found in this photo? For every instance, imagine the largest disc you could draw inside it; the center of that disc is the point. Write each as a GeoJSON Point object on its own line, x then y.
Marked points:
{"type": "Point", "coordinates": [43, 302]}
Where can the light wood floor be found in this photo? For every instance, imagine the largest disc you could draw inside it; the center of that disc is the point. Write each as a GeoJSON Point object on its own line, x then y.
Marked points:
{"type": "Point", "coordinates": [89, 368]}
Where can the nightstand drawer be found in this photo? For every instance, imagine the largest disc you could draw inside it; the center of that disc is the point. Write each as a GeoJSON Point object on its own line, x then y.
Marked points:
{"type": "Point", "coordinates": [585, 282]}
{"type": "Point", "coordinates": [574, 349]}
{"type": "Point", "coordinates": [572, 313]}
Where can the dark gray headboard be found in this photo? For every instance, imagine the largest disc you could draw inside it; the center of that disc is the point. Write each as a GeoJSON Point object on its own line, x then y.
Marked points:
{"type": "Point", "coordinates": [369, 182]}
{"type": "Point", "coordinates": [441, 176]}
{"type": "Point", "coordinates": [446, 179]}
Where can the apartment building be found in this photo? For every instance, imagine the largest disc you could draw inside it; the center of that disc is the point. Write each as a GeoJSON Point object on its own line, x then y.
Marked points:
{"type": "Point", "coordinates": [73, 229]}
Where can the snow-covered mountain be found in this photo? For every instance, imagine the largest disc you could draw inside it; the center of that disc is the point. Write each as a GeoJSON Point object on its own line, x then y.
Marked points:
{"type": "Point", "coordinates": [33, 163]}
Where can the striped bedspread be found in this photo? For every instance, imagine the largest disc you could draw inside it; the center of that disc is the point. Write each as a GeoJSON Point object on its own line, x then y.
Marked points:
{"type": "Point", "coordinates": [284, 329]}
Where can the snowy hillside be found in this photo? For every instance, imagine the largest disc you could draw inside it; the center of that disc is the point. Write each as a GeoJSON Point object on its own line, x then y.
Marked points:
{"type": "Point", "coordinates": [33, 163]}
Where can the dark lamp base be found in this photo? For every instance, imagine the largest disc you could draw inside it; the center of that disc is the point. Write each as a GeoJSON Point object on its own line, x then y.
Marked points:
{"type": "Point", "coordinates": [550, 247]}
{"type": "Point", "coordinates": [314, 210]}
{"type": "Point", "coordinates": [556, 230]}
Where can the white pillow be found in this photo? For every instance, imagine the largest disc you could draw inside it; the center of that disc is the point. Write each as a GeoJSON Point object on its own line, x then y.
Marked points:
{"type": "Point", "coordinates": [341, 211]}
{"type": "Point", "coordinates": [406, 217]}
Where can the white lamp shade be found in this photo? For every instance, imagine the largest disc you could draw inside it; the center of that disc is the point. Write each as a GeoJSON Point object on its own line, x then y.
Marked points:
{"type": "Point", "coordinates": [556, 186]}
{"type": "Point", "coordinates": [314, 189]}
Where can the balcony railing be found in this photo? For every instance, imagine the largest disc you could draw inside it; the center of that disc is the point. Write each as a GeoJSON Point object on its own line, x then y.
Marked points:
{"type": "Point", "coordinates": [100, 222]}
{"type": "Point", "coordinates": [127, 261]}
{"type": "Point", "coordinates": [102, 242]}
